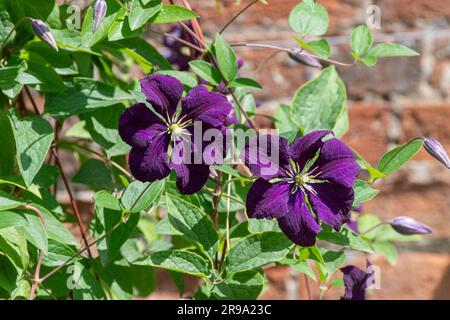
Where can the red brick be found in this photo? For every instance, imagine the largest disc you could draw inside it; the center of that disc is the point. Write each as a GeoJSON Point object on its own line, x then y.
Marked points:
{"type": "Point", "coordinates": [368, 129]}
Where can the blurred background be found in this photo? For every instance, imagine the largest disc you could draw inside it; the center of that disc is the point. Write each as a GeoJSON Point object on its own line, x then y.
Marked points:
{"type": "Point", "coordinates": [397, 100]}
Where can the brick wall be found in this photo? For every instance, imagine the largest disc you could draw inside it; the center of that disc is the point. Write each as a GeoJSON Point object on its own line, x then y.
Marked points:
{"type": "Point", "coordinates": [397, 100]}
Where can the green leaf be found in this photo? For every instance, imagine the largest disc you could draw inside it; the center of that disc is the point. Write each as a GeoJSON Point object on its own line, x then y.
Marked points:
{"type": "Point", "coordinates": [188, 79]}
{"type": "Point", "coordinates": [12, 219]}
{"type": "Point", "coordinates": [179, 261]}
{"type": "Point", "coordinates": [56, 229]}
{"type": "Point", "coordinates": [141, 12]}
{"type": "Point", "coordinates": [85, 285]}
{"type": "Point", "coordinates": [107, 200]}
{"type": "Point", "coordinates": [6, 26]}
{"type": "Point", "coordinates": [246, 285]}
{"type": "Point", "coordinates": [17, 181]}
{"type": "Point", "coordinates": [361, 40]}
{"type": "Point", "coordinates": [363, 192]}
{"type": "Point", "coordinates": [320, 47]}
{"type": "Point", "coordinates": [102, 178]}
{"type": "Point", "coordinates": [309, 19]}
{"type": "Point", "coordinates": [104, 222]}
{"type": "Point", "coordinates": [193, 223]}
{"type": "Point", "coordinates": [171, 13]}
{"type": "Point", "coordinates": [284, 121]}
{"type": "Point", "coordinates": [102, 127]}
{"type": "Point", "coordinates": [262, 225]}
{"type": "Point", "coordinates": [226, 58]}
{"type": "Point", "coordinates": [60, 60]}
{"type": "Point", "coordinates": [140, 196]}
{"type": "Point", "coordinates": [7, 201]}
{"type": "Point", "coordinates": [244, 83]}
{"type": "Point", "coordinates": [143, 53]}
{"type": "Point", "coordinates": [35, 231]}
{"type": "Point", "coordinates": [333, 260]}
{"type": "Point", "coordinates": [8, 276]}
{"type": "Point", "coordinates": [391, 50]}
{"type": "Point", "coordinates": [120, 29]}
{"type": "Point", "coordinates": [58, 254]}
{"type": "Point", "coordinates": [88, 38]}
{"type": "Point", "coordinates": [345, 238]}
{"type": "Point", "coordinates": [342, 123]}
{"type": "Point", "coordinates": [47, 176]}
{"type": "Point", "coordinates": [318, 104]}
{"type": "Point", "coordinates": [301, 266]}
{"type": "Point", "coordinates": [143, 280]}
{"type": "Point", "coordinates": [397, 157]}
{"type": "Point", "coordinates": [39, 68]}
{"type": "Point", "coordinates": [85, 95]}
{"type": "Point", "coordinates": [206, 71]}
{"type": "Point", "coordinates": [387, 250]}
{"type": "Point", "coordinates": [33, 137]}
{"type": "Point", "coordinates": [257, 250]}
{"type": "Point", "coordinates": [13, 241]}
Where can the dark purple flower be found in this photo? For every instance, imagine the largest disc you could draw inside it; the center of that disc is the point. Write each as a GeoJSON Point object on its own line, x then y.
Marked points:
{"type": "Point", "coordinates": [179, 54]}
{"type": "Point", "coordinates": [152, 135]}
{"type": "Point", "coordinates": [309, 173]}
{"type": "Point", "coordinates": [437, 151]}
{"type": "Point", "coordinates": [305, 59]}
{"type": "Point", "coordinates": [356, 282]}
{"type": "Point", "coordinates": [99, 13]}
{"type": "Point", "coordinates": [41, 30]}
{"type": "Point", "coordinates": [409, 226]}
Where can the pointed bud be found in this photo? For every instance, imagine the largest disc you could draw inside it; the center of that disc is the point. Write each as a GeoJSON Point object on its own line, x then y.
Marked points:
{"type": "Point", "coordinates": [437, 151]}
{"type": "Point", "coordinates": [305, 59]}
{"type": "Point", "coordinates": [409, 226]}
{"type": "Point", "coordinates": [213, 173]}
{"type": "Point", "coordinates": [41, 30]}
{"type": "Point", "coordinates": [99, 13]}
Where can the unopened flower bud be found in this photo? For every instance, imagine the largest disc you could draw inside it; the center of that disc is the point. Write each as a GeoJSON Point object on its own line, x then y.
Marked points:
{"type": "Point", "coordinates": [305, 59]}
{"type": "Point", "coordinates": [409, 226]}
{"type": "Point", "coordinates": [99, 13]}
{"type": "Point", "coordinates": [41, 30]}
{"type": "Point", "coordinates": [437, 151]}
{"type": "Point", "coordinates": [213, 173]}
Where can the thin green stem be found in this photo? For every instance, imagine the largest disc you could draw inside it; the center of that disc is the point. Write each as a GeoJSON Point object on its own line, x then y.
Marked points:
{"type": "Point", "coordinates": [291, 50]}
{"type": "Point", "coordinates": [373, 228]}
{"type": "Point", "coordinates": [228, 214]}
{"type": "Point", "coordinates": [237, 16]}
{"type": "Point", "coordinates": [48, 275]}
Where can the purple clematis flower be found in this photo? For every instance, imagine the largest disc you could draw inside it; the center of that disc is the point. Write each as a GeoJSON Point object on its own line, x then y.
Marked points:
{"type": "Point", "coordinates": [157, 135]}
{"type": "Point", "coordinates": [310, 173]}
{"type": "Point", "coordinates": [356, 281]}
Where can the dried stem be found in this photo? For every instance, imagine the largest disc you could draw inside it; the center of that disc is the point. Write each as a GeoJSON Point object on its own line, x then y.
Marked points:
{"type": "Point", "coordinates": [72, 201]}
{"type": "Point", "coordinates": [195, 23]}
{"type": "Point", "coordinates": [33, 103]}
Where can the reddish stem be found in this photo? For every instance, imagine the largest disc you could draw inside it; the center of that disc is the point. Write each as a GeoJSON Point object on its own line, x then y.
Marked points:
{"type": "Point", "coordinates": [73, 202]}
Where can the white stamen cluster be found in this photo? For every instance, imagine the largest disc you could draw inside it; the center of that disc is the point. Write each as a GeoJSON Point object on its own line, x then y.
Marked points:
{"type": "Point", "coordinates": [301, 179]}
